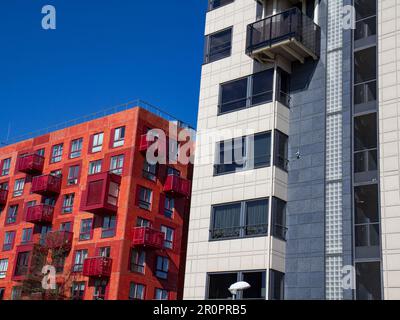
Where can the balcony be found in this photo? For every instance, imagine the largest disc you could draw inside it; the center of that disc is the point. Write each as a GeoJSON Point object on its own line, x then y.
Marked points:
{"type": "Point", "coordinates": [177, 186]}
{"type": "Point", "coordinates": [147, 237]}
{"type": "Point", "coordinates": [290, 34]}
{"type": "Point", "coordinates": [46, 185]}
{"type": "Point", "coordinates": [39, 214]}
{"type": "Point", "coordinates": [101, 194]}
{"type": "Point", "coordinates": [59, 240]}
{"type": "Point", "coordinates": [97, 267]}
{"type": "Point", "coordinates": [3, 197]}
{"type": "Point", "coordinates": [31, 164]}
{"type": "Point", "coordinates": [144, 144]}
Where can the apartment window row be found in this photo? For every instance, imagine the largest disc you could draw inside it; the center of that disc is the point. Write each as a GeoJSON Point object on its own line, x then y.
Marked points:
{"type": "Point", "coordinates": [137, 291]}
{"type": "Point", "coordinates": [138, 264]}
{"type": "Point", "coordinates": [145, 199]}
{"type": "Point", "coordinates": [251, 152]}
{"type": "Point", "coordinates": [248, 219]}
{"type": "Point", "coordinates": [219, 283]}
{"type": "Point", "coordinates": [96, 145]}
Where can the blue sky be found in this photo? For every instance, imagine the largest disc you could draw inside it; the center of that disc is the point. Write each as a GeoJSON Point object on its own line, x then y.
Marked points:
{"type": "Point", "coordinates": [102, 53]}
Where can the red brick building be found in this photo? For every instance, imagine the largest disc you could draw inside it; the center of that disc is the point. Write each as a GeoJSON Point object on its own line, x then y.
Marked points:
{"type": "Point", "coordinates": [88, 189]}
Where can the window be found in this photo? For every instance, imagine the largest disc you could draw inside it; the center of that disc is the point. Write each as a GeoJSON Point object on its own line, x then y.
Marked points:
{"type": "Point", "coordinates": [43, 233]}
{"type": "Point", "coordinates": [113, 193]}
{"type": "Point", "coordinates": [219, 283]}
{"type": "Point", "coordinates": [243, 153]}
{"type": "Point", "coordinates": [214, 4]}
{"type": "Point", "coordinates": [105, 252]}
{"type": "Point", "coordinates": [276, 285]}
{"type": "Point", "coordinates": [12, 214]}
{"type": "Point", "coordinates": [173, 172]}
{"type": "Point", "coordinates": [240, 219]}
{"type": "Point", "coordinates": [76, 148]}
{"type": "Point", "coordinates": [56, 173]}
{"type": "Point", "coordinates": [117, 164]}
{"type": "Point", "coordinates": [100, 287]}
{"type": "Point", "coordinates": [141, 222]}
{"type": "Point", "coordinates": [119, 137]}
{"type": "Point", "coordinates": [4, 186]}
{"type": "Point", "coordinates": [136, 291]}
{"type": "Point", "coordinates": [109, 226]}
{"type": "Point", "coordinates": [3, 268]}
{"type": "Point", "coordinates": [5, 167]}
{"type": "Point", "coordinates": [68, 203]}
{"type": "Point", "coordinates": [281, 158]}
{"type": "Point", "coordinates": [279, 218]}
{"type": "Point", "coordinates": [56, 153]}
{"type": "Point", "coordinates": [95, 166]}
{"type": "Point", "coordinates": [218, 45]}
{"type": "Point", "coordinates": [162, 266]}
{"type": "Point", "coordinates": [16, 293]}
{"type": "Point", "coordinates": [66, 226]}
{"type": "Point", "coordinates": [40, 152]}
{"type": "Point", "coordinates": [26, 235]}
{"type": "Point", "coordinates": [73, 175]}
{"type": "Point", "coordinates": [235, 95]}
{"type": "Point", "coordinates": [77, 290]}
{"type": "Point", "coordinates": [80, 257]}
{"type": "Point", "coordinates": [145, 196]}
{"type": "Point", "coordinates": [365, 143]}
{"type": "Point", "coordinates": [368, 281]}
{"type": "Point", "coordinates": [59, 262]}
{"type": "Point", "coordinates": [2, 290]}
{"type": "Point", "coordinates": [161, 294]}
{"type": "Point", "coordinates": [97, 142]}
{"type": "Point", "coordinates": [9, 238]}
{"type": "Point", "coordinates": [22, 265]}
{"type": "Point", "coordinates": [138, 258]}
{"type": "Point", "coordinates": [169, 237]}
{"type": "Point", "coordinates": [365, 76]}
{"type": "Point", "coordinates": [149, 171]}
{"type": "Point", "coordinates": [85, 230]}
{"type": "Point", "coordinates": [19, 187]}
{"type": "Point", "coordinates": [169, 207]}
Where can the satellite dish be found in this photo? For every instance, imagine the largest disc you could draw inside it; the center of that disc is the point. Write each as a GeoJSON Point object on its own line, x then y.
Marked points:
{"type": "Point", "coordinates": [239, 286]}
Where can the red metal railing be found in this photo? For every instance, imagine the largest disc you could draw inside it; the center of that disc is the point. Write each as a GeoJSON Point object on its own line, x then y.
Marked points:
{"type": "Point", "coordinates": [59, 239]}
{"type": "Point", "coordinates": [97, 267]}
{"type": "Point", "coordinates": [147, 237]}
{"type": "Point", "coordinates": [177, 186]}
{"type": "Point", "coordinates": [41, 213]}
{"type": "Point", "coordinates": [3, 197]}
{"type": "Point", "coordinates": [31, 163]}
{"type": "Point", "coordinates": [46, 185]}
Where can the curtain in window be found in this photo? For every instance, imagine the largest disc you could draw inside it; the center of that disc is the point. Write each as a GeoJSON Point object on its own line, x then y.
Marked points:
{"type": "Point", "coordinates": [226, 221]}
{"type": "Point", "coordinates": [257, 217]}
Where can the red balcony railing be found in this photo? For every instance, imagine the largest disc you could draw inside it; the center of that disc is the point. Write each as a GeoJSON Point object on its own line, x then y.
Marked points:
{"type": "Point", "coordinates": [39, 214]}
{"type": "Point", "coordinates": [97, 267]}
{"type": "Point", "coordinates": [46, 185]}
{"type": "Point", "coordinates": [3, 197]}
{"type": "Point", "coordinates": [144, 144]}
{"type": "Point", "coordinates": [101, 194]}
{"type": "Point", "coordinates": [59, 240]}
{"type": "Point", "coordinates": [177, 186]}
{"type": "Point", "coordinates": [147, 237]}
{"type": "Point", "coordinates": [31, 164]}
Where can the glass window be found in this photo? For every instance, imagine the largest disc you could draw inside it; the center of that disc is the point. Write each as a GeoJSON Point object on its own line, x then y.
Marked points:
{"type": "Point", "coordinates": [169, 207]}
{"type": "Point", "coordinates": [105, 252]}
{"type": "Point", "coordinates": [2, 290]}
{"type": "Point", "coordinates": [22, 265]}
{"type": "Point", "coordinates": [281, 158]}
{"type": "Point", "coordinates": [68, 203]}
{"type": "Point", "coordinates": [260, 154]}
{"type": "Point", "coordinates": [109, 226]}
{"type": "Point", "coordinates": [44, 230]}
{"type": "Point", "coordinates": [117, 164]}
{"type": "Point", "coordinates": [3, 268]}
{"type": "Point", "coordinates": [149, 171]}
{"type": "Point", "coordinates": [16, 293]}
{"type": "Point", "coordinates": [26, 235]}
{"type": "Point", "coordinates": [19, 187]}
{"type": "Point", "coordinates": [214, 4]}
{"type": "Point", "coordinates": [40, 152]}
{"type": "Point", "coordinates": [119, 137]}
{"type": "Point", "coordinates": [161, 294]}
{"type": "Point", "coordinates": [218, 285]}
{"type": "Point", "coordinates": [86, 229]}
{"type": "Point", "coordinates": [100, 287]}
{"type": "Point", "coordinates": [80, 257]}
{"type": "Point", "coordinates": [218, 45]}
{"type": "Point", "coordinates": [262, 87]}
{"type": "Point", "coordinates": [365, 132]}
{"type": "Point", "coordinates": [257, 281]}
{"type": "Point", "coordinates": [56, 153]}
{"type": "Point", "coordinates": [73, 175]}
{"type": "Point", "coordinates": [162, 267]}
{"type": "Point", "coordinates": [113, 193]}
{"type": "Point", "coordinates": [76, 148]}
{"type": "Point", "coordinates": [141, 222]}
{"type": "Point", "coordinates": [145, 196]}
{"type": "Point", "coordinates": [365, 65]}
{"type": "Point", "coordinates": [66, 226]}
{"type": "Point", "coordinates": [168, 237]}
{"type": "Point", "coordinates": [138, 258]}
{"type": "Point", "coordinates": [368, 281]}
{"type": "Point", "coordinates": [226, 221]}
{"type": "Point", "coordinates": [8, 242]}
{"type": "Point", "coordinates": [12, 214]}
{"type": "Point", "coordinates": [276, 285]}
{"type": "Point", "coordinates": [231, 156]}
{"type": "Point", "coordinates": [95, 166]}
{"type": "Point", "coordinates": [78, 290]}
{"type": "Point", "coordinates": [136, 291]}
{"type": "Point", "coordinates": [233, 96]}
{"type": "Point", "coordinates": [256, 217]}
{"type": "Point", "coordinates": [5, 167]}
{"type": "Point", "coordinates": [97, 142]}
{"type": "Point", "coordinates": [279, 218]}
{"type": "Point", "coordinates": [173, 172]}
{"type": "Point", "coordinates": [365, 8]}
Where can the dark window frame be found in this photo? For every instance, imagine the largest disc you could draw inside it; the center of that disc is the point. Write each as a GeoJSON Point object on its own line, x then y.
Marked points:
{"type": "Point", "coordinates": [207, 46]}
